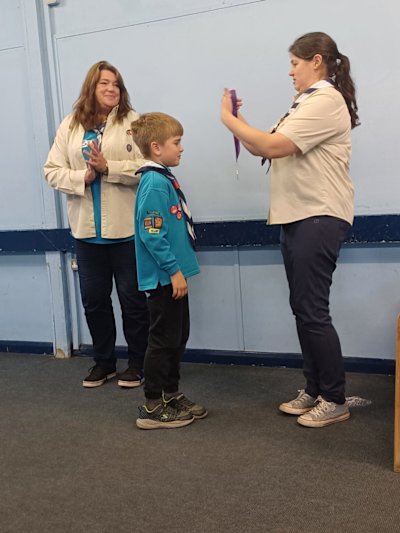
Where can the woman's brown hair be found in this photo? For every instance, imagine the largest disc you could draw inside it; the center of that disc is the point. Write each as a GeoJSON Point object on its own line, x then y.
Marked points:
{"type": "Point", "coordinates": [85, 107]}
{"type": "Point", "coordinates": [337, 64]}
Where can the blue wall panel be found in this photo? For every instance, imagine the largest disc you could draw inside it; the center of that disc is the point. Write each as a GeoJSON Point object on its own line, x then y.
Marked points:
{"type": "Point", "coordinates": [20, 199]}
{"type": "Point", "coordinates": [25, 299]}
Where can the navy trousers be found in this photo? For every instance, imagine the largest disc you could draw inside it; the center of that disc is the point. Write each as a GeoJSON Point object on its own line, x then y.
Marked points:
{"type": "Point", "coordinates": [310, 249]}
{"type": "Point", "coordinates": [98, 265]}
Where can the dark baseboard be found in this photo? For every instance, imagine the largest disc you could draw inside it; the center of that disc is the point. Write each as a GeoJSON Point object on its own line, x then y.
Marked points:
{"type": "Point", "coordinates": [289, 360]}
{"type": "Point", "coordinates": [363, 365]}
{"type": "Point", "coordinates": [41, 348]}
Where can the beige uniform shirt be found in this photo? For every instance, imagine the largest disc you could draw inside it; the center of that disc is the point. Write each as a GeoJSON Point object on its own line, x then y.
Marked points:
{"type": "Point", "coordinates": [316, 181]}
{"type": "Point", "coordinates": [65, 169]}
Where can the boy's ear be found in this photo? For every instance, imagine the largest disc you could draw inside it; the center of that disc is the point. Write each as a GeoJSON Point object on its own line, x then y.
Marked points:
{"type": "Point", "coordinates": [155, 147]}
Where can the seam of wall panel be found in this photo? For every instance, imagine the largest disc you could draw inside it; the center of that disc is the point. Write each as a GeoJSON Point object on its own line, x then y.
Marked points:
{"type": "Point", "coordinates": [7, 49]}
{"type": "Point", "coordinates": [55, 99]}
{"type": "Point", "coordinates": [32, 29]}
{"type": "Point", "coordinates": [156, 20]}
{"type": "Point", "coordinates": [50, 74]}
{"type": "Point", "coordinates": [238, 300]}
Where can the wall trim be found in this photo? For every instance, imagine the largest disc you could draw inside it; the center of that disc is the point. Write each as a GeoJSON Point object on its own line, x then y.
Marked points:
{"type": "Point", "coordinates": [367, 230]}
{"type": "Point", "coordinates": [362, 365]}
{"type": "Point", "coordinates": [28, 347]}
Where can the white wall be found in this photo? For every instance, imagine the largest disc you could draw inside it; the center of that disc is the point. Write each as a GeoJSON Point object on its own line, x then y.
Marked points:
{"type": "Point", "coordinates": [178, 56]}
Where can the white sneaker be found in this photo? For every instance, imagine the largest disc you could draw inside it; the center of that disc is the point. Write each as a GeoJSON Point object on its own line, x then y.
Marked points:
{"type": "Point", "coordinates": [300, 405]}
{"type": "Point", "coordinates": [324, 414]}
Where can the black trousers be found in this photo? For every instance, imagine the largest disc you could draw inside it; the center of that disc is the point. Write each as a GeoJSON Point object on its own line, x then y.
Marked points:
{"type": "Point", "coordinates": [98, 264]}
{"type": "Point", "coordinates": [168, 334]}
{"type": "Point", "coordinates": [310, 249]}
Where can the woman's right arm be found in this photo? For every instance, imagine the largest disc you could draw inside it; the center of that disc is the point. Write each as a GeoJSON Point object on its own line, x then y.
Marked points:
{"type": "Point", "coordinates": [57, 169]}
{"type": "Point", "coordinates": [248, 146]}
{"type": "Point", "coordinates": [257, 142]}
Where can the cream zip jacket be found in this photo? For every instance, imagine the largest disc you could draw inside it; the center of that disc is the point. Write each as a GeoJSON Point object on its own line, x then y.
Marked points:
{"type": "Point", "coordinates": [65, 170]}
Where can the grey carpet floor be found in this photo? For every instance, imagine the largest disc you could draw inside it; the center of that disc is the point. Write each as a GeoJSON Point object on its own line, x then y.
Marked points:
{"type": "Point", "coordinates": [72, 459]}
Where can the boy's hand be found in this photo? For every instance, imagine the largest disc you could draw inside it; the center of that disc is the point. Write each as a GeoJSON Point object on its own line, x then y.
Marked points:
{"type": "Point", "coordinates": [179, 285]}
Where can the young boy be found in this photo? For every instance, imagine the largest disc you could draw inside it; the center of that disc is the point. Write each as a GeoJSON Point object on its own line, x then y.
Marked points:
{"type": "Point", "coordinates": [165, 258]}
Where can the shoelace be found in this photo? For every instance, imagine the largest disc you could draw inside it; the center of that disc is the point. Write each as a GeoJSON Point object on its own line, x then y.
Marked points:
{"type": "Point", "coordinates": [177, 401]}
{"type": "Point", "coordinates": [300, 396]}
{"type": "Point", "coordinates": [184, 401]}
{"type": "Point", "coordinates": [322, 407]}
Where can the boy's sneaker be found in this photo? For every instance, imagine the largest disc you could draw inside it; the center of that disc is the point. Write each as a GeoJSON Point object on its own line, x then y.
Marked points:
{"type": "Point", "coordinates": [162, 417]}
{"type": "Point", "coordinates": [300, 405]}
{"type": "Point", "coordinates": [184, 404]}
{"type": "Point", "coordinates": [98, 375]}
{"type": "Point", "coordinates": [324, 413]}
{"type": "Point", "coordinates": [131, 378]}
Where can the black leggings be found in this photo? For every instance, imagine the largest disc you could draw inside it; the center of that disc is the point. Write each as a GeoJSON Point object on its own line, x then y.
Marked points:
{"type": "Point", "coordinates": [168, 334]}
{"type": "Point", "coordinates": [310, 248]}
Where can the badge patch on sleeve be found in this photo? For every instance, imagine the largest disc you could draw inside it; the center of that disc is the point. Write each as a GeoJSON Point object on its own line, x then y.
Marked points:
{"type": "Point", "coordinates": [154, 231]}
{"type": "Point", "coordinates": [148, 222]}
{"type": "Point", "coordinates": [158, 222]}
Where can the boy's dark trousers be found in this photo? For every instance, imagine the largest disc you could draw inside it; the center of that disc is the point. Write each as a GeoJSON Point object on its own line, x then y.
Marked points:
{"type": "Point", "coordinates": [98, 264]}
{"type": "Point", "coordinates": [168, 334]}
{"type": "Point", "coordinates": [310, 248]}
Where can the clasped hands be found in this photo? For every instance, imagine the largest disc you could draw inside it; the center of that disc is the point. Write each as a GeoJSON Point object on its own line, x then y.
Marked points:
{"type": "Point", "coordinates": [95, 163]}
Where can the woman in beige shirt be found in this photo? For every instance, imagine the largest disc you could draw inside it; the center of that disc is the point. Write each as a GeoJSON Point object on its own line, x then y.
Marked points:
{"type": "Point", "coordinates": [93, 161]}
{"type": "Point", "coordinates": [311, 196]}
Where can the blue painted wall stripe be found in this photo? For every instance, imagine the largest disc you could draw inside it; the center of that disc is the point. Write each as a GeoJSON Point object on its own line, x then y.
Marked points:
{"type": "Point", "coordinates": [372, 229]}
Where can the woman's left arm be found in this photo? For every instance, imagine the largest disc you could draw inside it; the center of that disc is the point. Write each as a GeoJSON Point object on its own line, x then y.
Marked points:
{"type": "Point", "coordinates": [123, 172]}
{"type": "Point", "coordinates": [257, 142]}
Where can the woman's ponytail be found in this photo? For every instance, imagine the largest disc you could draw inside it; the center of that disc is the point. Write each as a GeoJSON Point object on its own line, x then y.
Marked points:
{"type": "Point", "coordinates": [345, 85]}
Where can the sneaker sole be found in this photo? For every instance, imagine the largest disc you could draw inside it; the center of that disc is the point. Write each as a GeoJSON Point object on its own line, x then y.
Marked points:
{"type": "Point", "coordinates": [292, 410]}
{"type": "Point", "coordinates": [147, 423]}
{"type": "Point", "coordinates": [129, 384]}
{"type": "Point", "coordinates": [322, 423]}
{"type": "Point", "coordinates": [199, 417]}
{"type": "Point", "coordinates": [92, 384]}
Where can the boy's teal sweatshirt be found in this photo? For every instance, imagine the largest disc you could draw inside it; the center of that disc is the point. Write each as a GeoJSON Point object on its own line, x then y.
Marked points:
{"type": "Point", "coordinates": [162, 242]}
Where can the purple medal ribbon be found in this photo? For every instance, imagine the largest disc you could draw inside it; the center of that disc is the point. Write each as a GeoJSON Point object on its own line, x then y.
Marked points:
{"type": "Point", "coordinates": [234, 112]}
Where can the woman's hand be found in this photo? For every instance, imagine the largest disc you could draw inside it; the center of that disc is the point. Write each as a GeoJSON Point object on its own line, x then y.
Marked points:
{"type": "Point", "coordinates": [227, 105]}
{"type": "Point", "coordinates": [96, 159]}
{"type": "Point", "coordinates": [90, 176]}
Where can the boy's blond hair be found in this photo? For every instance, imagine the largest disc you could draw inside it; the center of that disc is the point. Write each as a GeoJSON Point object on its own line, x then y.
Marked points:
{"type": "Point", "coordinates": [154, 127]}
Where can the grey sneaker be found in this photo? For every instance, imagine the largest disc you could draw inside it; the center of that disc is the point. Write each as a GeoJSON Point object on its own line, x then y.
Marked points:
{"type": "Point", "coordinates": [162, 416]}
{"type": "Point", "coordinates": [324, 413]}
{"type": "Point", "coordinates": [300, 405]}
{"type": "Point", "coordinates": [184, 404]}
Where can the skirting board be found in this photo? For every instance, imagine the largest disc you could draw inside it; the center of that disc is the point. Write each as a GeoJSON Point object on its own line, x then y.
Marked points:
{"type": "Point", "coordinates": [364, 365]}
